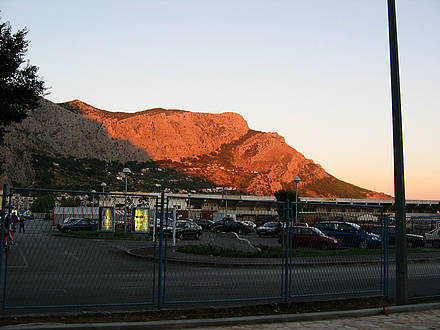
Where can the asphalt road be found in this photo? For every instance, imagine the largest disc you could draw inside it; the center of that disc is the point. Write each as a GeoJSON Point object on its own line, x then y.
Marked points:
{"type": "Point", "coordinates": [48, 270]}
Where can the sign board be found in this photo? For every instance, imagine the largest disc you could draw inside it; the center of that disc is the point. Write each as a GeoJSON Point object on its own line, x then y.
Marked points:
{"type": "Point", "coordinates": [141, 221]}
{"type": "Point", "coordinates": [107, 219]}
{"type": "Point", "coordinates": [328, 200]}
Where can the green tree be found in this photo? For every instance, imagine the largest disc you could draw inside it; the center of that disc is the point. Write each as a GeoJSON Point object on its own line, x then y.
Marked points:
{"type": "Point", "coordinates": [20, 86]}
{"type": "Point", "coordinates": [286, 195]}
{"type": "Point", "coordinates": [70, 202]}
{"type": "Point", "coordinates": [43, 204]}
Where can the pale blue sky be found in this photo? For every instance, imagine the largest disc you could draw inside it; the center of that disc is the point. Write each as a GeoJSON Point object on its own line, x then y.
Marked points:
{"type": "Point", "coordinates": [316, 72]}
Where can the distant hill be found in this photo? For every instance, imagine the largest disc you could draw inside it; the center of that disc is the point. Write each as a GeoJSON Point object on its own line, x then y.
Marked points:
{"type": "Point", "coordinates": [206, 150]}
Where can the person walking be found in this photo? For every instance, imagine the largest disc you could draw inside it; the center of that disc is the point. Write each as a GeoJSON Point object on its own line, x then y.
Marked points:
{"type": "Point", "coordinates": [14, 220]}
{"type": "Point", "coordinates": [21, 224]}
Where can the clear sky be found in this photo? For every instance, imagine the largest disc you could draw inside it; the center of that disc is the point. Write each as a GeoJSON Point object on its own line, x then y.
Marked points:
{"type": "Point", "coordinates": [316, 72]}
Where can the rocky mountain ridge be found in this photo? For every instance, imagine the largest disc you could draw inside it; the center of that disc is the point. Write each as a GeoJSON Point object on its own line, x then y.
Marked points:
{"type": "Point", "coordinates": [217, 147]}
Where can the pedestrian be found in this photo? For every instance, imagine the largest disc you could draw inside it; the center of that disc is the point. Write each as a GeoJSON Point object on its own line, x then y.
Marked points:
{"type": "Point", "coordinates": [14, 219]}
{"type": "Point", "coordinates": [21, 224]}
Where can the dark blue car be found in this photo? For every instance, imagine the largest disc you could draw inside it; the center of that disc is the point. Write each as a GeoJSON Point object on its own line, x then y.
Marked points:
{"type": "Point", "coordinates": [350, 234]}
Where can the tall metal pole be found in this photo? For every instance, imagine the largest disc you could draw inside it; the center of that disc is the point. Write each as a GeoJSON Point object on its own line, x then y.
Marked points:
{"type": "Point", "coordinates": [226, 199]}
{"type": "Point", "coordinates": [297, 180]}
{"type": "Point", "coordinates": [399, 183]}
{"type": "Point", "coordinates": [125, 205]}
{"type": "Point", "coordinates": [189, 206]}
{"type": "Point", "coordinates": [296, 204]}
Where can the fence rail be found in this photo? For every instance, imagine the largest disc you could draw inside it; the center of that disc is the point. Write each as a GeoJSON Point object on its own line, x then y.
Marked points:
{"type": "Point", "coordinates": [133, 264]}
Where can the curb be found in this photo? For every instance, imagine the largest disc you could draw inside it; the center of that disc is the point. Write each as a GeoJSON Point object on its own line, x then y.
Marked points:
{"type": "Point", "coordinates": [213, 262]}
{"type": "Point", "coordinates": [195, 323]}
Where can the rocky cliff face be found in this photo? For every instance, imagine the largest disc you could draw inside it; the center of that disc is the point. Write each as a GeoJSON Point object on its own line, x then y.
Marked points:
{"type": "Point", "coordinates": [169, 134]}
{"type": "Point", "coordinates": [54, 131]}
{"type": "Point", "coordinates": [217, 147]}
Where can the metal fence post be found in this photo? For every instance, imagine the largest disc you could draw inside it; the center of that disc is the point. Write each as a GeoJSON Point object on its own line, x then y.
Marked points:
{"type": "Point", "coordinates": [290, 220]}
{"type": "Point", "coordinates": [5, 188]}
{"type": "Point", "coordinates": [159, 285]}
{"type": "Point", "coordinates": [164, 271]}
{"type": "Point", "coordinates": [285, 263]}
{"type": "Point", "coordinates": [385, 255]}
{"type": "Point", "coordinates": [7, 246]}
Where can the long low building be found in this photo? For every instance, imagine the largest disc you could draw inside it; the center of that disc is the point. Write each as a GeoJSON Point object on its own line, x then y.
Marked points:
{"type": "Point", "coordinates": [265, 208]}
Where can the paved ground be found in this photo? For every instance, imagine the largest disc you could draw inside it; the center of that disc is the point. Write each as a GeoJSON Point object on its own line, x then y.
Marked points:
{"type": "Point", "coordinates": [410, 320]}
{"type": "Point", "coordinates": [420, 317]}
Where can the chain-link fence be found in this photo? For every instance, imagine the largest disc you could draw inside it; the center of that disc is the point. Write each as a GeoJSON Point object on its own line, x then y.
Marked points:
{"type": "Point", "coordinates": [104, 249]}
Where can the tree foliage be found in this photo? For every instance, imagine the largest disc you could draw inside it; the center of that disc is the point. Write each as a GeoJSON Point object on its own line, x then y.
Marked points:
{"type": "Point", "coordinates": [70, 202]}
{"type": "Point", "coordinates": [43, 204]}
{"type": "Point", "coordinates": [20, 86]}
{"type": "Point", "coordinates": [286, 195]}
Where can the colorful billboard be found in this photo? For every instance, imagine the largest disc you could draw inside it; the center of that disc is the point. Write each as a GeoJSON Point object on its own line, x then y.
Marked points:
{"type": "Point", "coordinates": [141, 220]}
{"type": "Point", "coordinates": [107, 219]}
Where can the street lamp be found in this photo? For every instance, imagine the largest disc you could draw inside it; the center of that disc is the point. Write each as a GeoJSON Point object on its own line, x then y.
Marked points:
{"type": "Point", "coordinates": [297, 180]}
{"type": "Point", "coordinates": [225, 189]}
{"type": "Point", "coordinates": [189, 205]}
{"type": "Point", "coordinates": [93, 204]}
{"type": "Point", "coordinates": [103, 185]}
{"type": "Point", "coordinates": [126, 171]}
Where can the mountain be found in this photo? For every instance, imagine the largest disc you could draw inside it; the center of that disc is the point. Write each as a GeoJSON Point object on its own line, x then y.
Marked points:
{"type": "Point", "coordinates": [217, 148]}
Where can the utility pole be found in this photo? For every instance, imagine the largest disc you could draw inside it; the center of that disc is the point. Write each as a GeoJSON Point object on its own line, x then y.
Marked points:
{"type": "Point", "coordinates": [399, 183]}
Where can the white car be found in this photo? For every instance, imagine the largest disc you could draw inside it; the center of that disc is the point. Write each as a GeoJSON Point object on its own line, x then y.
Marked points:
{"type": "Point", "coordinates": [433, 237]}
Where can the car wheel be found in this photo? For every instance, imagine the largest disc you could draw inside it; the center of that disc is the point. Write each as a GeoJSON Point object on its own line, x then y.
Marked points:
{"type": "Point", "coordinates": [436, 244]}
{"type": "Point", "coordinates": [240, 232]}
{"type": "Point", "coordinates": [197, 236]}
{"type": "Point", "coordinates": [410, 244]}
{"type": "Point", "coordinates": [363, 244]}
{"type": "Point", "coordinates": [324, 246]}
{"type": "Point", "coordinates": [179, 236]}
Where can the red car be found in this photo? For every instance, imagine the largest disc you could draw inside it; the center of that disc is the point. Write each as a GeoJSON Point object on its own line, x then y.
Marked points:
{"type": "Point", "coordinates": [310, 237]}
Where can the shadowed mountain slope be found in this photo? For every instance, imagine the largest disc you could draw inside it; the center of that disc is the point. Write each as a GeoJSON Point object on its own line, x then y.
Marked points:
{"type": "Point", "coordinates": [216, 147]}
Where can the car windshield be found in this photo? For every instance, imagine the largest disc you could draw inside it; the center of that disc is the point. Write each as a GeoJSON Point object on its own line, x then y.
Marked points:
{"type": "Point", "coordinates": [317, 231]}
{"type": "Point", "coordinates": [180, 224]}
{"type": "Point", "coordinates": [357, 227]}
{"type": "Point", "coordinates": [71, 220]}
{"type": "Point", "coordinates": [432, 231]}
{"type": "Point", "coordinates": [271, 224]}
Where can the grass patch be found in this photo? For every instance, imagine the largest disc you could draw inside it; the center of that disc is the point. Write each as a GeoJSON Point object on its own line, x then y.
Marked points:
{"type": "Point", "coordinates": [276, 252]}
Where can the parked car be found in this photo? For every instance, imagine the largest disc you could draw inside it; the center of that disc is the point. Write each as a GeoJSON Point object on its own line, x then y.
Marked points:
{"type": "Point", "coordinates": [223, 221]}
{"type": "Point", "coordinates": [70, 219]}
{"type": "Point", "coordinates": [205, 224]}
{"type": "Point", "coordinates": [350, 234]}
{"type": "Point", "coordinates": [433, 237]}
{"type": "Point", "coordinates": [252, 226]}
{"type": "Point", "coordinates": [309, 237]}
{"type": "Point", "coordinates": [67, 221]}
{"type": "Point", "coordinates": [231, 226]}
{"type": "Point", "coordinates": [412, 241]}
{"type": "Point", "coordinates": [184, 229]}
{"type": "Point", "coordinates": [79, 224]}
{"type": "Point", "coordinates": [271, 229]}
{"type": "Point", "coordinates": [166, 222]}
